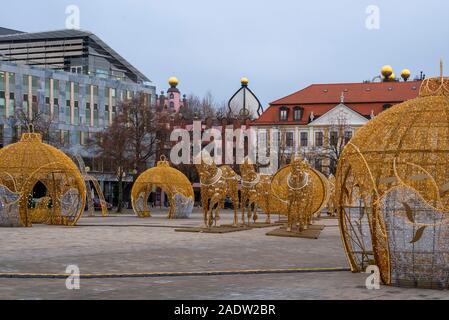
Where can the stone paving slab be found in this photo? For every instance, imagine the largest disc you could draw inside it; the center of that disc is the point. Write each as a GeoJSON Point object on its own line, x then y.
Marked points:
{"type": "Point", "coordinates": [128, 244]}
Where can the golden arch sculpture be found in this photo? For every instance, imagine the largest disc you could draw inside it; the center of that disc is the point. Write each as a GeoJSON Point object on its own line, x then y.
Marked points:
{"type": "Point", "coordinates": [392, 191]}
{"type": "Point", "coordinates": [90, 192]}
{"type": "Point", "coordinates": [27, 162]}
{"type": "Point", "coordinates": [173, 182]}
{"type": "Point", "coordinates": [300, 192]}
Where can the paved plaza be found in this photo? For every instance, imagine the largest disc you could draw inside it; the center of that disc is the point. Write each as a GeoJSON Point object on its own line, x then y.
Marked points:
{"type": "Point", "coordinates": [127, 244]}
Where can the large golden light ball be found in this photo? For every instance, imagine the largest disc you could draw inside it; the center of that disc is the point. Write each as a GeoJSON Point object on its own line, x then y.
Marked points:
{"type": "Point", "coordinates": [386, 71]}
{"type": "Point", "coordinates": [173, 81]}
{"type": "Point", "coordinates": [244, 81]}
{"type": "Point", "coordinates": [405, 74]}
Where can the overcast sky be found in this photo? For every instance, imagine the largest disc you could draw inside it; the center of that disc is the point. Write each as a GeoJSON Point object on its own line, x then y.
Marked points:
{"type": "Point", "coordinates": [280, 45]}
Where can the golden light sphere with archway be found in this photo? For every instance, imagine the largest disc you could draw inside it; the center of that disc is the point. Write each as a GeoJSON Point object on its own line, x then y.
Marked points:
{"type": "Point", "coordinates": [171, 181]}
{"type": "Point", "coordinates": [392, 191]}
{"type": "Point", "coordinates": [27, 163]}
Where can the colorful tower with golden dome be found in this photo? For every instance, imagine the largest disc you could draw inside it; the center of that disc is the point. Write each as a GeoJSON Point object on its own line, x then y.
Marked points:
{"type": "Point", "coordinates": [173, 101]}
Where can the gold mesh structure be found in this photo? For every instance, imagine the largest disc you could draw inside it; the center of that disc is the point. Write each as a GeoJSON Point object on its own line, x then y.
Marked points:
{"type": "Point", "coordinates": [22, 166]}
{"type": "Point", "coordinates": [173, 182]}
{"type": "Point", "coordinates": [300, 192]}
{"type": "Point", "coordinates": [392, 191]}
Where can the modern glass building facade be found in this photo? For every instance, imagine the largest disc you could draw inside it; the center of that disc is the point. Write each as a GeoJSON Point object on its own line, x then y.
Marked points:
{"type": "Point", "coordinates": [78, 102]}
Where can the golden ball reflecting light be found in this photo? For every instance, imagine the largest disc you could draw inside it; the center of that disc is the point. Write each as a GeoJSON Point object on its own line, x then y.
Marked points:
{"type": "Point", "coordinates": [173, 81]}
{"type": "Point", "coordinates": [244, 81]}
{"type": "Point", "coordinates": [386, 71]}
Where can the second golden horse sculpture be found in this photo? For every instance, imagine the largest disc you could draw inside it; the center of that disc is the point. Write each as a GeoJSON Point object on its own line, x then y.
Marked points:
{"type": "Point", "coordinates": [296, 191]}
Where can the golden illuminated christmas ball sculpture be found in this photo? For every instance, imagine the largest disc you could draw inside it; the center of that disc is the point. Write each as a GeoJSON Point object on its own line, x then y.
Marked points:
{"type": "Point", "coordinates": [173, 182]}
{"type": "Point", "coordinates": [392, 191]}
{"type": "Point", "coordinates": [27, 163]}
{"type": "Point", "coordinates": [301, 193]}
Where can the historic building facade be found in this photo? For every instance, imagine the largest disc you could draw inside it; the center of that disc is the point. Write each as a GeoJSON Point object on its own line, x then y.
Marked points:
{"type": "Point", "coordinates": [320, 119]}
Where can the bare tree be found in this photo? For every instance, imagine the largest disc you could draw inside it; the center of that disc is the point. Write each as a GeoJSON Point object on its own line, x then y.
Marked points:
{"type": "Point", "coordinates": [146, 127]}
{"type": "Point", "coordinates": [112, 146]}
{"type": "Point", "coordinates": [335, 138]}
{"type": "Point", "coordinates": [39, 122]}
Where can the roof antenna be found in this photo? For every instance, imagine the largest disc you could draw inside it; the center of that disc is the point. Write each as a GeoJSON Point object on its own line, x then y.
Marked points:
{"type": "Point", "coordinates": [31, 128]}
{"type": "Point", "coordinates": [441, 70]}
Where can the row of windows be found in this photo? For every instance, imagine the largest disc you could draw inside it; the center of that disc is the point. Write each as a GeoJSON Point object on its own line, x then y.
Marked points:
{"type": "Point", "coordinates": [72, 93]}
{"type": "Point", "coordinates": [299, 111]}
{"type": "Point", "coordinates": [288, 138]}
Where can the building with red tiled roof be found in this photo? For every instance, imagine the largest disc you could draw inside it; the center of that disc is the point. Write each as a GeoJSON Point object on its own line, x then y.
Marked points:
{"type": "Point", "coordinates": [313, 118]}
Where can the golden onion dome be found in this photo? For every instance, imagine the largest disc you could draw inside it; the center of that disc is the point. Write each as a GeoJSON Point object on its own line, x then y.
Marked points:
{"type": "Point", "coordinates": [393, 183]}
{"type": "Point", "coordinates": [244, 81]}
{"type": "Point", "coordinates": [386, 71]}
{"type": "Point", "coordinates": [405, 74]}
{"type": "Point", "coordinates": [392, 77]}
{"type": "Point", "coordinates": [29, 161]}
{"type": "Point", "coordinates": [172, 181]}
{"type": "Point", "coordinates": [173, 81]}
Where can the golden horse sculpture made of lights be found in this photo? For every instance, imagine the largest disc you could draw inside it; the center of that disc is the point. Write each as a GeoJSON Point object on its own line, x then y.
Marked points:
{"type": "Point", "coordinates": [255, 192]}
{"type": "Point", "coordinates": [216, 184]}
{"type": "Point", "coordinates": [300, 192]}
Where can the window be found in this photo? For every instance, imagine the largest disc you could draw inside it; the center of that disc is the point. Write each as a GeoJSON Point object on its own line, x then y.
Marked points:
{"type": "Point", "coordinates": [25, 103]}
{"type": "Point", "coordinates": [88, 113]}
{"type": "Point", "coordinates": [283, 114]}
{"type": "Point", "coordinates": [297, 115]}
{"type": "Point", "coordinates": [76, 112]}
{"type": "Point", "coordinates": [114, 112]}
{"type": "Point", "coordinates": [12, 87]}
{"type": "Point", "coordinates": [106, 105]}
{"type": "Point", "coordinates": [95, 114]}
{"type": "Point", "coordinates": [2, 81]}
{"type": "Point", "coordinates": [304, 138]}
{"type": "Point", "coordinates": [47, 96]}
{"type": "Point", "coordinates": [11, 104]}
{"type": "Point", "coordinates": [65, 137]}
{"type": "Point", "coordinates": [289, 139]}
{"type": "Point", "coordinates": [319, 139]}
{"type": "Point", "coordinates": [172, 105]}
{"type": "Point", "coordinates": [318, 164]}
{"type": "Point", "coordinates": [387, 106]}
{"type": "Point", "coordinates": [34, 105]}
{"type": "Point", "coordinates": [68, 112]}
{"type": "Point", "coordinates": [102, 73]}
{"type": "Point", "coordinates": [68, 98]}
{"type": "Point", "coordinates": [106, 117]}
{"type": "Point", "coordinates": [172, 96]}
{"type": "Point", "coordinates": [56, 99]}
{"type": "Point", "coordinates": [2, 95]}
{"type": "Point", "coordinates": [76, 69]}
{"type": "Point", "coordinates": [334, 138]}
{"type": "Point", "coordinates": [348, 136]}
{"type": "Point", "coordinates": [2, 104]}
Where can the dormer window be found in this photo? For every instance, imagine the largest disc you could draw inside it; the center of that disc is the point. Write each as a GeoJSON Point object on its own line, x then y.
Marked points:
{"type": "Point", "coordinates": [297, 113]}
{"type": "Point", "coordinates": [283, 114]}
